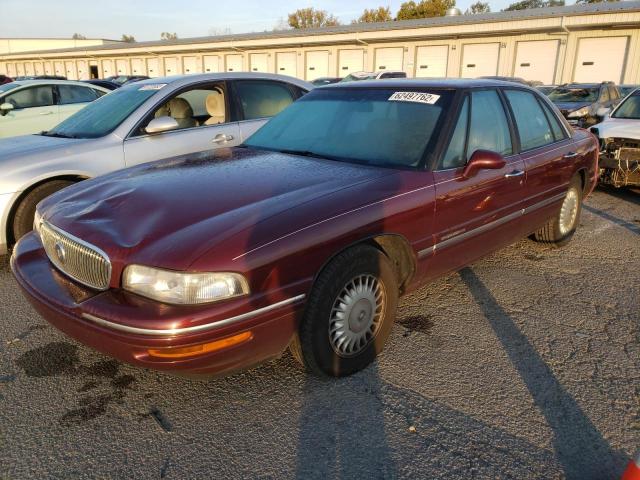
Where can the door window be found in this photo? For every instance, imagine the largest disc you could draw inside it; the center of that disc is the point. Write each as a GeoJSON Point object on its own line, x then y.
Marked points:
{"type": "Point", "coordinates": [197, 107]}
{"type": "Point", "coordinates": [70, 94]}
{"type": "Point", "coordinates": [455, 155]}
{"type": "Point", "coordinates": [488, 129]}
{"type": "Point", "coordinates": [31, 97]}
{"type": "Point", "coordinates": [558, 131]}
{"type": "Point", "coordinates": [261, 99]}
{"type": "Point", "coordinates": [532, 123]}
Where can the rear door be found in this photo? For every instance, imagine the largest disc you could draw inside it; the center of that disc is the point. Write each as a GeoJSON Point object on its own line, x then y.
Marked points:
{"type": "Point", "coordinates": [259, 100]}
{"type": "Point", "coordinates": [34, 110]}
{"type": "Point", "coordinates": [548, 153]}
{"type": "Point", "coordinates": [204, 125]}
{"type": "Point", "coordinates": [477, 215]}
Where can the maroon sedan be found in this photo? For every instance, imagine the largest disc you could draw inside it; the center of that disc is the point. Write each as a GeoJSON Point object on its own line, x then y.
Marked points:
{"type": "Point", "coordinates": [306, 236]}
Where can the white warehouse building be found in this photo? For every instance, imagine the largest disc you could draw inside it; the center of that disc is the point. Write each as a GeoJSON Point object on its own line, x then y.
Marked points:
{"type": "Point", "coordinates": [582, 43]}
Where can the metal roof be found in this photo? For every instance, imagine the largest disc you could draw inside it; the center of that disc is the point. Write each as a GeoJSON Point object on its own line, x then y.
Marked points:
{"type": "Point", "coordinates": [534, 13]}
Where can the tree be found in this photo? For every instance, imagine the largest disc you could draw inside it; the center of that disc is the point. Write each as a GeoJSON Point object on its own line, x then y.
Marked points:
{"type": "Point", "coordinates": [380, 14]}
{"type": "Point", "coordinates": [77, 36]}
{"type": "Point", "coordinates": [424, 9]}
{"type": "Point", "coordinates": [168, 36]}
{"type": "Point", "coordinates": [312, 18]}
{"type": "Point", "coordinates": [128, 38]}
{"type": "Point", "coordinates": [478, 7]}
{"type": "Point", "coordinates": [578, 2]}
{"type": "Point", "coordinates": [527, 4]}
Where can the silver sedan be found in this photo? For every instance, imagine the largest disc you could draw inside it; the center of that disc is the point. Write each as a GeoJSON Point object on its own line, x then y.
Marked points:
{"type": "Point", "coordinates": [137, 123]}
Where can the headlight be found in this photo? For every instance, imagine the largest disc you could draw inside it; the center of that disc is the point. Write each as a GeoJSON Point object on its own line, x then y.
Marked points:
{"type": "Point", "coordinates": [37, 220]}
{"type": "Point", "coordinates": [183, 288]}
{"type": "Point", "coordinates": [581, 112]}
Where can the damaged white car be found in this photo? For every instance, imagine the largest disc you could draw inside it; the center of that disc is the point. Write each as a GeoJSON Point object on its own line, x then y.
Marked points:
{"type": "Point", "coordinates": [619, 137]}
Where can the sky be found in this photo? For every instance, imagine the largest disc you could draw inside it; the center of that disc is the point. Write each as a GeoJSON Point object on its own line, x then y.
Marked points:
{"type": "Point", "coordinates": [146, 19]}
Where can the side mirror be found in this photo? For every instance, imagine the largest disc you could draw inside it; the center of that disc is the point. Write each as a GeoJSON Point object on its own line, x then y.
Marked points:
{"type": "Point", "coordinates": [482, 160]}
{"type": "Point", "coordinates": [5, 108]}
{"type": "Point", "coordinates": [161, 124]}
{"type": "Point", "coordinates": [603, 112]}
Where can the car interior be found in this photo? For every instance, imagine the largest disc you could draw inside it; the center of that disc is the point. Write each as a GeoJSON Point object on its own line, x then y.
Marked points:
{"type": "Point", "coordinates": [196, 107]}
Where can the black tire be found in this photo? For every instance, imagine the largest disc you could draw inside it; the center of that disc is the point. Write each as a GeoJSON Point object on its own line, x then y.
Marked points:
{"type": "Point", "coordinates": [23, 218]}
{"type": "Point", "coordinates": [312, 346]}
{"type": "Point", "coordinates": [551, 233]}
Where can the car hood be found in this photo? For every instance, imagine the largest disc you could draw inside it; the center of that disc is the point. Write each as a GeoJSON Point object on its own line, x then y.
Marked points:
{"type": "Point", "coordinates": [619, 128]}
{"type": "Point", "coordinates": [27, 144]}
{"type": "Point", "coordinates": [168, 213]}
{"type": "Point", "coordinates": [571, 106]}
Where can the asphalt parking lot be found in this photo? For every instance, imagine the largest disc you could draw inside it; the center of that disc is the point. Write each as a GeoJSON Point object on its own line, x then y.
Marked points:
{"type": "Point", "coordinates": [525, 365]}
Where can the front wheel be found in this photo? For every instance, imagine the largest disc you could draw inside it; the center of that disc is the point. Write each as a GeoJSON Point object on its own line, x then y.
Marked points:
{"type": "Point", "coordinates": [560, 229]}
{"type": "Point", "coordinates": [349, 314]}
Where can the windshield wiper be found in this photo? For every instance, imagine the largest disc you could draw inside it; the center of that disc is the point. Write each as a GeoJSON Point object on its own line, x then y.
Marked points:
{"type": "Point", "coordinates": [305, 153]}
{"type": "Point", "coordinates": [57, 135]}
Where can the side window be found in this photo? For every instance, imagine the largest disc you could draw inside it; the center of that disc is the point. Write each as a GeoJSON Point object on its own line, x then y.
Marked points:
{"type": "Point", "coordinates": [558, 131]}
{"type": "Point", "coordinates": [604, 94]}
{"type": "Point", "coordinates": [488, 129]}
{"type": "Point", "coordinates": [196, 107]}
{"type": "Point", "coordinates": [73, 94]}
{"type": "Point", "coordinates": [260, 99]}
{"type": "Point", "coordinates": [532, 123]}
{"type": "Point", "coordinates": [455, 155]}
{"type": "Point", "coordinates": [31, 97]}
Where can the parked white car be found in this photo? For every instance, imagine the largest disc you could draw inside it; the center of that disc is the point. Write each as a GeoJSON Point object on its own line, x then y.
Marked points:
{"type": "Point", "coordinates": [619, 136]}
{"type": "Point", "coordinates": [33, 106]}
{"type": "Point", "coordinates": [140, 122]}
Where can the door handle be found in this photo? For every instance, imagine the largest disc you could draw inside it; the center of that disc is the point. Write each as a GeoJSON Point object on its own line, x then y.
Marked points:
{"type": "Point", "coordinates": [570, 155]}
{"type": "Point", "coordinates": [46, 113]}
{"type": "Point", "coordinates": [222, 138]}
{"type": "Point", "coordinates": [515, 173]}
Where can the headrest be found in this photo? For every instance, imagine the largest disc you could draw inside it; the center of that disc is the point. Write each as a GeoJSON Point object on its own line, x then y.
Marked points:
{"type": "Point", "coordinates": [180, 108]}
{"type": "Point", "coordinates": [215, 104]}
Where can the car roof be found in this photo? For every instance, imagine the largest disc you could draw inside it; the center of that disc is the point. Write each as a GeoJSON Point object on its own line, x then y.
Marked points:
{"type": "Point", "coordinates": [200, 77]}
{"type": "Point", "coordinates": [49, 82]}
{"type": "Point", "coordinates": [453, 83]}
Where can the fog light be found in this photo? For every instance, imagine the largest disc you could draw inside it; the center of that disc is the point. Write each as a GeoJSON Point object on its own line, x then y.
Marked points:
{"type": "Point", "coordinates": [183, 352]}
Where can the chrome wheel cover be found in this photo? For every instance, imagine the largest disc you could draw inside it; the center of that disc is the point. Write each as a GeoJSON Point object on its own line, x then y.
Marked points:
{"type": "Point", "coordinates": [568, 212]}
{"type": "Point", "coordinates": [356, 315]}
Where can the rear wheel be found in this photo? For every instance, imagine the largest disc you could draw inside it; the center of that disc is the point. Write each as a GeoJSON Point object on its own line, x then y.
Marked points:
{"type": "Point", "coordinates": [560, 229]}
{"type": "Point", "coordinates": [23, 218]}
{"type": "Point", "coordinates": [349, 314]}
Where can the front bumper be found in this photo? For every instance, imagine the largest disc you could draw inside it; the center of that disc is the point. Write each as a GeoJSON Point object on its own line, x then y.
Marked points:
{"type": "Point", "coordinates": [126, 326]}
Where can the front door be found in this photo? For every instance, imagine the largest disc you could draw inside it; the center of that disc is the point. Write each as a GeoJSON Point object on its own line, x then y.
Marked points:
{"type": "Point", "coordinates": [33, 111]}
{"type": "Point", "coordinates": [480, 214]}
{"type": "Point", "coordinates": [204, 124]}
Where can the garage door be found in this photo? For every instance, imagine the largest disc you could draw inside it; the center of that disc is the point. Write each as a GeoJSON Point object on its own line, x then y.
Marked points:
{"type": "Point", "coordinates": [39, 68]}
{"type": "Point", "coordinates": [83, 69]}
{"type": "Point", "coordinates": [479, 60]}
{"type": "Point", "coordinates": [431, 61]}
{"type": "Point", "coordinates": [190, 65]}
{"type": "Point", "coordinates": [350, 61]}
{"type": "Point", "coordinates": [317, 64]}
{"type": "Point", "coordinates": [153, 67]}
{"type": "Point", "coordinates": [171, 66]}
{"type": "Point", "coordinates": [600, 59]}
{"type": "Point", "coordinates": [48, 68]}
{"type": "Point", "coordinates": [234, 63]}
{"type": "Point", "coordinates": [122, 67]}
{"type": "Point", "coordinates": [211, 63]}
{"type": "Point", "coordinates": [11, 69]}
{"type": "Point", "coordinates": [70, 70]}
{"type": "Point", "coordinates": [137, 66]}
{"type": "Point", "coordinates": [536, 60]}
{"type": "Point", "coordinates": [259, 62]}
{"type": "Point", "coordinates": [107, 68]}
{"type": "Point", "coordinates": [287, 63]}
{"type": "Point", "coordinates": [28, 68]}
{"type": "Point", "coordinates": [389, 58]}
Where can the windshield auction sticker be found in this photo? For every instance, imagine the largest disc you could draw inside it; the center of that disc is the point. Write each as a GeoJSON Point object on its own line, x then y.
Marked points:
{"type": "Point", "coordinates": [155, 86]}
{"type": "Point", "coordinates": [418, 97]}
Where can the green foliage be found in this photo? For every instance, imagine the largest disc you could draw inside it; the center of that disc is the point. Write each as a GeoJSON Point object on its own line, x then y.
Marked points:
{"type": "Point", "coordinates": [380, 14]}
{"type": "Point", "coordinates": [527, 4]}
{"type": "Point", "coordinates": [424, 9]}
{"type": "Point", "coordinates": [478, 7]}
{"type": "Point", "coordinates": [168, 36]}
{"type": "Point", "coordinates": [128, 38]}
{"type": "Point", "coordinates": [312, 18]}
{"type": "Point", "coordinates": [77, 36]}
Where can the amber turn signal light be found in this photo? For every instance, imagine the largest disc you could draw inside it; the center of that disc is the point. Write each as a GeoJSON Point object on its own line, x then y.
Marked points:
{"type": "Point", "coordinates": [183, 352]}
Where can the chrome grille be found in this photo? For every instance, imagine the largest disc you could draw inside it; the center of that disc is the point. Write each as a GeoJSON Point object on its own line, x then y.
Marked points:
{"type": "Point", "coordinates": [79, 260]}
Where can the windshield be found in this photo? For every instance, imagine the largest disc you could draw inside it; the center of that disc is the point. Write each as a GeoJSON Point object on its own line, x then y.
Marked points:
{"type": "Point", "coordinates": [630, 108]}
{"type": "Point", "coordinates": [103, 115]}
{"type": "Point", "coordinates": [574, 95]}
{"type": "Point", "coordinates": [382, 127]}
{"type": "Point", "coordinates": [8, 86]}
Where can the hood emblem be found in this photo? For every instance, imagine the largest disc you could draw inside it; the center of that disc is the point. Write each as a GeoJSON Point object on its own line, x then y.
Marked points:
{"type": "Point", "coordinates": [61, 253]}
